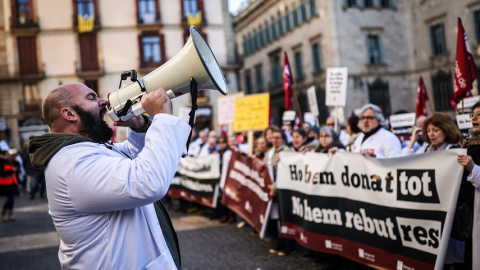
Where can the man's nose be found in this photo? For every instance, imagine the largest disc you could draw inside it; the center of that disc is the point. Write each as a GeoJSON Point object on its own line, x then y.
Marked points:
{"type": "Point", "coordinates": [102, 102]}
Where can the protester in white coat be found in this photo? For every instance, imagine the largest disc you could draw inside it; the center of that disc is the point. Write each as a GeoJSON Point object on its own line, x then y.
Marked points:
{"type": "Point", "coordinates": [102, 196]}
{"type": "Point", "coordinates": [375, 140]}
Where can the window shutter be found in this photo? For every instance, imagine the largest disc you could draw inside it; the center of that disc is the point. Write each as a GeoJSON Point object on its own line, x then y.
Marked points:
{"type": "Point", "coordinates": [162, 49]}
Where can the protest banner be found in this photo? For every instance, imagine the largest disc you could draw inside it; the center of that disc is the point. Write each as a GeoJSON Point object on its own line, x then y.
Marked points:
{"type": "Point", "coordinates": [386, 213]}
{"type": "Point", "coordinates": [246, 190]}
{"type": "Point", "coordinates": [196, 180]}
{"type": "Point", "coordinates": [336, 87]}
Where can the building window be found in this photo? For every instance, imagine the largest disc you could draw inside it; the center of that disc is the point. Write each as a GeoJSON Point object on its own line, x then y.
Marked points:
{"type": "Point", "coordinates": [86, 15]}
{"type": "Point", "coordinates": [368, 4]}
{"type": "Point", "coordinates": [313, 8]}
{"type": "Point", "coordinates": [350, 3]}
{"type": "Point", "coordinates": [259, 79]}
{"type": "Point", "coordinates": [88, 52]}
{"type": "Point", "coordinates": [385, 3]}
{"type": "Point", "coordinates": [27, 54]}
{"type": "Point", "coordinates": [152, 50]}
{"type": "Point", "coordinates": [303, 12]}
{"type": "Point", "coordinates": [437, 40]}
{"type": "Point", "coordinates": [248, 82]}
{"type": "Point", "coordinates": [192, 7]}
{"type": "Point", "coordinates": [298, 65]}
{"type": "Point", "coordinates": [31, 98]}
{"type": "Point", "coordinates": [316, 57]}
{"type": "Point", "coordinates": [442, 89]}
{"type": "Point", "coordinates": [378, 94]}
{"type": "Point", "coordinates": [374, 50]}
{"type": "Point", "coordinates": [273, 30]}
{"type": "Point", "coordinates": [22, 13]}
{"type": "Point", "coordinates": [294, 16]}
{"type": "Point", "coordinates": [276, 71]}
{"type": "Point", "coordinates": [476, 24]}
{"type": "Point", "coordinates": [287, 20]}
{"type": "Point", "coordinates": [280, 24]}
{"type": "Point", "coordinates": [148, 11]}
{"type": "Point", "coordinates": [261, 37]}
{"type": "Point", "coordinates": [266, 33]}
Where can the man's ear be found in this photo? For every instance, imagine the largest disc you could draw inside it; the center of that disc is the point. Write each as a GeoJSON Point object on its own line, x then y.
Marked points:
{"type": "Point", "coordinates": [69, 114]}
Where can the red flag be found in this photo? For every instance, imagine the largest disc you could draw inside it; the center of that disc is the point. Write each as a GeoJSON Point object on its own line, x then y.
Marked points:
{"type": "Point", "coordinates": [287, 83]}
{"type": "Point", "coordinates": [465, 71]}
{"type": "Point", "coordinates": [224, 131]}
{"type": "Point", "coordinates": [422, 97]}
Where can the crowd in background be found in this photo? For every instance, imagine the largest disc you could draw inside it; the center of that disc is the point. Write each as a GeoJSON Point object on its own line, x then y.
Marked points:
{"type": "Point", "coordinates": [368, 134]}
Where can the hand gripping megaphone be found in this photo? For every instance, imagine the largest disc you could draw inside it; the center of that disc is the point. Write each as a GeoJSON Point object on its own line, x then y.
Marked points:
{"type": "Point", "coordinates": [194, 62]}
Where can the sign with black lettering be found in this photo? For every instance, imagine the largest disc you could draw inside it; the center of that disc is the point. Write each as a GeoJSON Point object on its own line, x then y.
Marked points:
{"type": "Point", "coordinates": [385, 213]}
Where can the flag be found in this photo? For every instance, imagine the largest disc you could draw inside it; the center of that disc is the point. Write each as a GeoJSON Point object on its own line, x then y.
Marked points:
{"type": "Point", "coordinates": [422, 97]}
{"type": "Point", "coordinates": [224, 131]}
{"type": "Point", "coordinates": [86, 23]}
{"type": "Point", "coordinates": [287, 83]}
{"type": "Point", "coordinates": [465, 71]}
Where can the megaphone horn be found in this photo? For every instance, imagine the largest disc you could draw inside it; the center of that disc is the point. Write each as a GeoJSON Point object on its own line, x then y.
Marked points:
{"type": "Point", "coordinates": [195, 60]}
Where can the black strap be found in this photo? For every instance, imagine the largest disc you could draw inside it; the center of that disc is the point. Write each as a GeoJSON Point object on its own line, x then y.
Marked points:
{"type": "Point", "coordinates": [168, 232]}
{"type": "Point", "coordinates": [193, 94]}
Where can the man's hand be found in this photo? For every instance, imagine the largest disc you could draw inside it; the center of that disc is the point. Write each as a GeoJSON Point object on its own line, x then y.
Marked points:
{"type": "Point", "coordinates": [136, 122]}
{"type": "Point", "coordinates": [157, 102]}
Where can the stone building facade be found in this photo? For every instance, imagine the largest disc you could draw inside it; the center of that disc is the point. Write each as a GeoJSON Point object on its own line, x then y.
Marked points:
{"type": "Point", "coordinates": [385, 44]}
{"type": "Point", "coordinates": [47, 42]}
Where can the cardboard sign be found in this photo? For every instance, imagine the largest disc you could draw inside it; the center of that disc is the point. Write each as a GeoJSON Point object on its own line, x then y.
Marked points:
{"type": "Point", "coordinates": [467, 104]}
{"type": "Point", "coordinates": [312, 101]}
{"type": "Point", "coordinates": [336, 92]}
{"type": "Point", "coordinates": [225, 105]}
{"type": "Point", "coordinates": [288, 118]}
{"type": "Point", "coordinates": [464, 122]}
{"type": "Point", "coordinates": [251, 112]}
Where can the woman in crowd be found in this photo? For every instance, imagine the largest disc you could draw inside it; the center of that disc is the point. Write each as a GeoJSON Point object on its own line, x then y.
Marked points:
{"type": "Point", "coordinates": [353, 130]}
{"type": "Point", "coordinates": [470, 188]}
{"type": "Point", "coordinates": [268, 135]}
{"type": "Point", "coordinates": [299, 138]}
{"type": "Point", "coordinates": [329, 141]}
{"type": "Point", "coordinates": [442, 134]}
{"type": "Point", "coordinates": [260, 148]}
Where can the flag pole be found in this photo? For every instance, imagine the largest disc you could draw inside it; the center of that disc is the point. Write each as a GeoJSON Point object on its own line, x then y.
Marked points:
{"type": "Point", "coordinates": [299, 111]}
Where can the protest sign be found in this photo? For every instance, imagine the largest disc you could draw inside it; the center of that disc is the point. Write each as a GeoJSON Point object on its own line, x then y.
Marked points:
{"type": "Point", "coordinates": [251, 112]}
{"type": "Point", "coordinates": [312, 101]}
{"type": "Point", "coordinates": [225, 107]}
{"type": "Point", "coordinates": [197, 180]}
{"type": "Point", "coordinates": [247, 188]}
{"type": "Point", "coordinates": [379, 212]}
{"type": "Point", "coordinates": [402, 124]}
{"type": "Point", "coordinates": [336, 87]}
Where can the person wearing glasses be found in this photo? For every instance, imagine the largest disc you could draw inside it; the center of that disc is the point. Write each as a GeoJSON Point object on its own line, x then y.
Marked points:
{"type": "Point", "coordinates": [375, 140]}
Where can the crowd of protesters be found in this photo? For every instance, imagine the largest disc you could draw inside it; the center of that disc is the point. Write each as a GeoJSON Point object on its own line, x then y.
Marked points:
{"type": "Point", "coordinates": [369, 135]}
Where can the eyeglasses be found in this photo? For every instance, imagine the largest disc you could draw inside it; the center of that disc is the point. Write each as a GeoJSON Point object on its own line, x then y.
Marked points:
{"type": "Point", "coordinates": [476, 115]}
{"type": "Point", "coordinates": [325, 136]}
{"type": "Point", "coordinates": [370, 118]}
{"type": "Point", "coordinates": [330, 124]}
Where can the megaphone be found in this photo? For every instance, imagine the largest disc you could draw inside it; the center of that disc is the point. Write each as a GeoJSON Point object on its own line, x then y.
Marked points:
{"type": "Point", "coordinates": [195, 61]}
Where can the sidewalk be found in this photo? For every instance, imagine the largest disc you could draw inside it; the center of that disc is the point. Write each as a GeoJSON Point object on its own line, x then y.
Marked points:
{"type": "Point", "coordinates": [32, 243]}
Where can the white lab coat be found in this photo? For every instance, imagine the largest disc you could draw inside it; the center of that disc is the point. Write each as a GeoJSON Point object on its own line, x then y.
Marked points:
{"type": "Point", "coordinates": [384, 143]}
{"type": "Point", "coordinates": [101, 201]}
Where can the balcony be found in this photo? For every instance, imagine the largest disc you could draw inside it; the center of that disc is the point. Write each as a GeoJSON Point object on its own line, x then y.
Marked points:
{"type": "Point", "coordinates": [26, 75]}
{"type": "Point", "coordinates": [24, 26]}
{"type": "Point", "coordinates": [90, 71]}
{"type": "Point", "coordinates": [149, 21]}
{"type": "Point", "coordinates": [85, 25]}
{"type": "Point", "coordinates": [30, 106]}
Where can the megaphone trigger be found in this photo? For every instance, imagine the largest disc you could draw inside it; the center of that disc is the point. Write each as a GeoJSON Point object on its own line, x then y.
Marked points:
{"type": "Point", "coordinates": [125, 109]}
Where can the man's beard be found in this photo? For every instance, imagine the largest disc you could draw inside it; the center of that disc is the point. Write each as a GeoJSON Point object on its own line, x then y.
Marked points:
{"type": "Point", "coordinates": [93, 126]}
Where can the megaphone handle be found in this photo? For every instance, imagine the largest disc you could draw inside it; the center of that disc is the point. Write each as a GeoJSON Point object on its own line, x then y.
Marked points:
{"type": "Point", "coordinates": [193, 94]}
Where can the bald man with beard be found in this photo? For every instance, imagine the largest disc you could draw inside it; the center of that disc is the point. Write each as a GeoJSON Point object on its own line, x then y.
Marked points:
{"type": "Point", "coordinates": [103, 197]}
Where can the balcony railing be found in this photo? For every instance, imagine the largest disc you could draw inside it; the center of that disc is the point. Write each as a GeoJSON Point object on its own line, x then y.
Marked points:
{"type": "Point", "coordinates": [91, 72]}
{"type": "Point", "coordinates": [21, 26]}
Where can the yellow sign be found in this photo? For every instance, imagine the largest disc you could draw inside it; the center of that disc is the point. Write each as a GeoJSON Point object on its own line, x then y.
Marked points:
{"type": "Point", "coordinates": [251, 112]}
